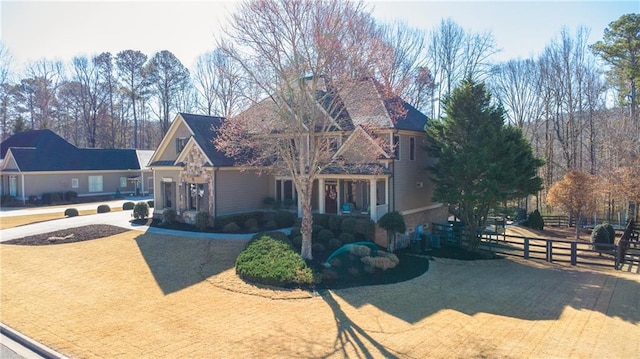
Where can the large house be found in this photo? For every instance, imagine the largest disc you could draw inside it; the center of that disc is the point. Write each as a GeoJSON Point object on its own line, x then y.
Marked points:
{"type": "Point", "coordinates": [39, 161]}
{"type": "Point", "coordinates": [191, 175]}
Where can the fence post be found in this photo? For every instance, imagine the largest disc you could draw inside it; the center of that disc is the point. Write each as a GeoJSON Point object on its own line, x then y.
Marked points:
{"type": "Point", "coordinates": [617, 262]}
{"type": "Point", "coordinates": [526, 248]}
{"type": "Point", "coordinates": [574, 254]}
{"type": "Point", "coordinates": [549, 250]}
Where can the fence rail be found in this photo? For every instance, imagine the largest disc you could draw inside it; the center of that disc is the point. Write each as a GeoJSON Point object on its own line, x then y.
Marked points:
{"type": "Point", "coordinates": [561, 251]}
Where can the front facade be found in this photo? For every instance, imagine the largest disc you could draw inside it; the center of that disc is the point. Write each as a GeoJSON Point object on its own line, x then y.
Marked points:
{"type": "Point", "coordinates": [190, 175]}
{"type": "Point", "coordinates": [37, 162]}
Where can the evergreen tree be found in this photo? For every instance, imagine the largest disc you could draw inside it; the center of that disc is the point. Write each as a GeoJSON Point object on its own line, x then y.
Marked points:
{"type": "Point", "coordinates": [480, 161]}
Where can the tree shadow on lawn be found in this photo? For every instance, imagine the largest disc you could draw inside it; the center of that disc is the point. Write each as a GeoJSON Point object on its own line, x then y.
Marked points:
{"type": "Point", "coordinates": [180, 262]}
{"type": "Point", "coordinates": [502, 287]}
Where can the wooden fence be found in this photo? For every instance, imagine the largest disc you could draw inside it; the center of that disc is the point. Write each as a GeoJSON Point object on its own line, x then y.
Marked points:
{"type": "Point", "coordinates": [562, 251]}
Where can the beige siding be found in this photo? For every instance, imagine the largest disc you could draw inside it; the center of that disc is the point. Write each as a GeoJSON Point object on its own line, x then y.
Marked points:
{"type": "Point", "coordinates": [158, 195]}
{"type": "Point", "coordinates": [36, 184]}
{"type": "Point", "coordinates": [169, 152]}
{"type": "Point", "coordinates": [238, 191]}
{"type": "Point", "coordinates": [409, 175]}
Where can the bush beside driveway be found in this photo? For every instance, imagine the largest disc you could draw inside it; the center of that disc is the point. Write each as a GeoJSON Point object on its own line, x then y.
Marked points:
{"type": "Point", "coordinates": [149, 295]}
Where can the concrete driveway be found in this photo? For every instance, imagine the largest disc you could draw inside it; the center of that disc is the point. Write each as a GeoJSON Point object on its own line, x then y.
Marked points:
{"type": "Point", "coordinates": [138, 295]}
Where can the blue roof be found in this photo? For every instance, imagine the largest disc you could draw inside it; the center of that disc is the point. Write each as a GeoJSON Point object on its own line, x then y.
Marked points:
{"type": "Point", "coordinates": [43, 150]}
{"type": "Point", "coordinates": [204, 131]}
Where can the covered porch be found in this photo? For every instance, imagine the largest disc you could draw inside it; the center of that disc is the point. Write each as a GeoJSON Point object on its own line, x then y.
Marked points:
{"type": "Point", "coordinates": [363, 196]}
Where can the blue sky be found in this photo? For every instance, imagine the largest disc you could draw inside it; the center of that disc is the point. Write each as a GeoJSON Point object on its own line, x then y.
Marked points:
{"type": "Point", "coordinates": [56, 30]}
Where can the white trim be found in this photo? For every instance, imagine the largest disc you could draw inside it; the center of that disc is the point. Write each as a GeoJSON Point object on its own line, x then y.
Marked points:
{"type": "Point", "coordinates": [422, 209]}
{"type": "Point", "coordinates": [5, 160]}
{"type": "Point", "coordinates": [347, 144]}
{"type": "Point", "coordinates": [187, 148]}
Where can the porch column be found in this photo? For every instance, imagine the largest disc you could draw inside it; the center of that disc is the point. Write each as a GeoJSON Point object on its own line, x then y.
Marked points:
{"type": "Point", "coordinates": [373, 203]}
{"type": "Point", "coordinates": [24, 198]}
{"type": "Point", "coordinates": [321, 195]}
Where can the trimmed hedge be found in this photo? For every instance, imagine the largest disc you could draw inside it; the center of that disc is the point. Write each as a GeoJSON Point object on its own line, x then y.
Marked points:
{"type": "Point", "coordinates": [284, 219]}
{"type": "Point", "coordinates": [127, 206]}
{"type": "Point", "coordinates": [203, 220]}
{"type": "Point", "coordinates": [535, 220]}
{"type": "Point", "coordinates": [150, 203]}
{"type": "Point", "coordinates": [600, 235]}
{"type": "Point", "coordinates": [273, 262]}
{"type": "Point", "coordinates": [71, 212]}
{"type": "Point", "coordinates": [169, 215]}
{"type": "Point", "coordinates": [104, 208]}
{"type": "Point", "coordinates": [141, 210]}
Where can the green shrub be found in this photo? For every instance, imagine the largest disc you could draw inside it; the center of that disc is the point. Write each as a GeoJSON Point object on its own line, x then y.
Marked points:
{"type": "Point", "coordinates": [535, 220]}
{"type": "Point", "coordinates": [273, 234]}
{"type": "Point", "coordinates": [250, 223]}
{"type": "Point", "coordinates": [284, 219]}
{"type": "Point", "coordinates": [347, 237]}
{"type": "Point", "coordinates": [348, 225]}
{"type": "Point", "coordinates": [288, 203]}
{"type": "Point", "coordinates": [128, 206]}
{"type": "Point", "coordinates": [71, 212]}
{"type": "Point", "coordinates": [169, 215]}
{"type": "Point", "coordinates": [203, 220]}
{"type": "Point", "coordinates": [611, 231]}
{"type": "Point", "coordinates": [141, 210]}
{"type": "Point", "coordinates": [150, 203]}
{"type": "Point", "coordinates": [334, 223]}
{"type": "Point", "coordinates": [269, 261]}
{"type": "Point", "coordinates": [316, 229]}
{"type": "Point", "coordinates": [600, 235]}
{"type": "Point", "coordinates": [324, 236]}
{"type": "Point", "coordinates": [269, 201]}
{"type": "Point", "coordinates": [232, 227]}
{"type": "Point", "coordinates": [7, 199]}
{"type": "Point", "coordinates": [297, 242]}
{"type": "Point", "coordinates": [104, 208]}
{"type": "Point", "coordinates": [238, 218]}
{"type": "Point", "coordinates": [318, 248]}
{"type": "Point", "coordinates": [270, 225]}
{"type": "Point", "coordinates": [52, 197]}
{"type": "Point", "coordinates": [321, 219]}
{"type": "Point", "coordinates": [393, 222]}
{"type": "Point", "coordinates": [295, 231]}
{"type": "Point", "coordinates": [334, 243]}
{"type": "Point", "coordinates": [71, 196]}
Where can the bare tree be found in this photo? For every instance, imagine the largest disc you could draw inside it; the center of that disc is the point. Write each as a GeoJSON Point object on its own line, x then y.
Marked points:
{"type": "Point", "coordinates": [168, 77]}
{"type": "Point", "coordinates": [455, 54]}
{"type": "Point", "coordinates": [219, 83]}
{"type": "Point", "coordinates": [130, 65]}
{"type": "Point", "coordinates": [5, 91]}
{"type": "Point", "coordinates": [300, 55]}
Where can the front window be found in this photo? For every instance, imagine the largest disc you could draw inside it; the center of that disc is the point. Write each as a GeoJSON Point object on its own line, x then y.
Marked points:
{"type": "Point", "coordinates": [95, 184]}
{"type": "Point", "coordinates": [196, 193]}
{"type": "Point", "coordinates": [75, 183]}
{"type": "Point", "coordinates": [180, 143]}
{"type": "Point", "coordinates": [13, 186]}
{"type": "Point", "coordinates": [412, 148]}
{"type": "Point", "coordinates": [285, 190]}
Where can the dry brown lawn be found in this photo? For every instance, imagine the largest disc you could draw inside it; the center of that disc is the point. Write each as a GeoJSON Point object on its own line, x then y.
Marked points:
{"type": "Point", "coordinates": [140, 296]}
{"type": "Point", "coordinates": [15, 221]}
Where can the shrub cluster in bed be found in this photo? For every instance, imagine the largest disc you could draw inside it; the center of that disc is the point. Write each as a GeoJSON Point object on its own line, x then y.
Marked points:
{"type": "Point", "coordinates": [273, 261]}
{"type": "Point", "coordinates": [603, 234]}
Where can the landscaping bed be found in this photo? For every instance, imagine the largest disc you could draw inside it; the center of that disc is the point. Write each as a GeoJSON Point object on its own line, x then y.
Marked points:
{"type": "Point", "coordinates": [70, 235]}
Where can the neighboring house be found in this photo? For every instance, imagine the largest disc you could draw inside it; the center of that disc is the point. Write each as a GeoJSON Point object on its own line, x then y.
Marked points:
{"type": "Point", "coordinates": [190, 175]}
{"type": "Point", "coordinates": [39, 161]}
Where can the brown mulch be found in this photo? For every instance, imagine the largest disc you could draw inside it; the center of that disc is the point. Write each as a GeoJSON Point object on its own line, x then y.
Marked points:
{"type": "Point", "coordinates": [70, 235]}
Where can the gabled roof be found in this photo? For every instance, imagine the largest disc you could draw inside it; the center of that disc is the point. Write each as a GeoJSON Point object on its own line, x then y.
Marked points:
{"type": "Point", "coordinates": [35, 139]}
{"type": "Point", "coordinates": [43, 150]}
{"type": "Point", "coordinates": [204, 131]}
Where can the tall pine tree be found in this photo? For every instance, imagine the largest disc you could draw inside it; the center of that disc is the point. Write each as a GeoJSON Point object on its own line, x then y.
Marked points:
{"type": "Point", "coordinates": [480, 161]}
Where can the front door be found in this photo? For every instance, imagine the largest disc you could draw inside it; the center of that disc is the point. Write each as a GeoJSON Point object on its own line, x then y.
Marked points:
{"type": "Point", "coordinates": [330, 198]}
{"type": "Point", "coordinates": [168, 194]}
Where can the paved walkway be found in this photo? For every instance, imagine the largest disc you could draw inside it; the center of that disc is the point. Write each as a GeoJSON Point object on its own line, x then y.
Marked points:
{"type": "Point", "coordinates": [137, 295]}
